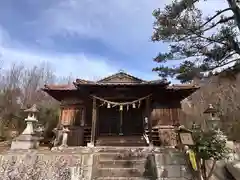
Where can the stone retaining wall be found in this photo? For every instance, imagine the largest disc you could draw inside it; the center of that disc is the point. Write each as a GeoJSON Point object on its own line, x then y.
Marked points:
{"type": "Point", "coordinates": [77, 163]}
{"type": "Point", "coordinates": [34, 165]}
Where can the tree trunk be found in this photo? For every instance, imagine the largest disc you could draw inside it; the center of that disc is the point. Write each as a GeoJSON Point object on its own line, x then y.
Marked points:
{"type": "Point", "coordinates": [236, 11]}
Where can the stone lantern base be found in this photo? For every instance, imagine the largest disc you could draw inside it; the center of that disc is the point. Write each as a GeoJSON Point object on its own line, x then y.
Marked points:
{"type": "Point", "coordinates": [25, 141]}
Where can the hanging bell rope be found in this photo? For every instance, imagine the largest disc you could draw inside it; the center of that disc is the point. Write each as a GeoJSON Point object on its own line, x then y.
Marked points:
{"type": "Point", "coordinates": [113, 104]}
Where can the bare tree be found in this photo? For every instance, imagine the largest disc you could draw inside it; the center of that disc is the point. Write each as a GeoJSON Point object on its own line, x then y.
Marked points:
{"type": "Point", "coordinates": [224, 94]}
{"type": "Point", "coordinates": [10, 93]}
{"type": "Point", "coordinates": [33, 79]}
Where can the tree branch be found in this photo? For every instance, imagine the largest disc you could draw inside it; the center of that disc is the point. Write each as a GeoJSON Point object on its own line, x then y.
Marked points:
{"type": "Point", "coordinates": [219, 22]}
{"type": "Point", "coordinates": [234, 60]}
{"type": "Point", "coordinates": [213, 17]}
{"type": "Point", "coordinates": [226, 57]}
{"type": "Point", "coordinates": [200, 36]}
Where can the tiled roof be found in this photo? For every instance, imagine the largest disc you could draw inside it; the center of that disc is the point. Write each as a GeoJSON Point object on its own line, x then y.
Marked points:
{"type": "Point", "coordinates": [82, 81]}
{"type": "Point", "coordinates": [120, 78]}
{"type": "Point", "coordinates": [59, 87]}
{"type": "Point", "coordinates": [124, 83]}
{"type": "Point", "coordinates": [183, 86]}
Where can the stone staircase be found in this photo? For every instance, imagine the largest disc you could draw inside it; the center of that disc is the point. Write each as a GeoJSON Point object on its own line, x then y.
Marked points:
{"type": "Point", "coordinates": [139, 163]}
{"type": "Point", "coordinates": [121, 164]}
{"type": "Point", "coordinates": [127, 141]}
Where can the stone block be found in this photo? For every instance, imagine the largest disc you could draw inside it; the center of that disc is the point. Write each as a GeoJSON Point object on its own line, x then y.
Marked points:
{"type": "Point", "coordinates": [169, 171]}
{"type": "Point", "coordinates": [169, 159]}
{"type": "Point", "coordinates": [119, 172]}
{"type": "Point", "coordinates": [185, 172]}
{"type": "Point", "coordinates": [87, 159]}
{"type": "Point", "coordinates": [25, 141]}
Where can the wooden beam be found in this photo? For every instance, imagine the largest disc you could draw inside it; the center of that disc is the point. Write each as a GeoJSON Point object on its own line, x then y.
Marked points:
{"type": "Point", "coordinates": [149, 120]}
{"type": "Point", "coordinates": [94, 121]}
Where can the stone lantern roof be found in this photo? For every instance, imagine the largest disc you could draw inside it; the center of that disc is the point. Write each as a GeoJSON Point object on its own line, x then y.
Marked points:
{"type": "Point", "coordinates": [210, 109]}
{"type": "Point", "coordinates": [32, 109]}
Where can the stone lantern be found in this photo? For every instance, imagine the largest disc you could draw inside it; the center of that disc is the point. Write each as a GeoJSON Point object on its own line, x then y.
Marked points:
{"type": "Point", "coordinates": [30, 119]}
{"type": "Point", "coordinates": [28, 139]}
{"type": "Point", "coordinates": [212, 117]}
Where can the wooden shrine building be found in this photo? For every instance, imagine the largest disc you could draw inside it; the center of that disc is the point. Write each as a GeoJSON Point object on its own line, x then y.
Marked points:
{"type": "Point", "coordinates": [120, 109]}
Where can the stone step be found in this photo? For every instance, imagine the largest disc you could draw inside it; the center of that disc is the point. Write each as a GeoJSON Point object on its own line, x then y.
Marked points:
{"type": "Point", "coordinates": [121, 164]}
{"type": "Point", "coordinates": [121, 141]}
{"type": "Point", "coordinates": [120, 172]}
{"type": "Point", "coordinates": [121, 144]}
{"type": "Point", "coordinates": [122, 178]}
{"type": "Point", "coordinates": [121, 149]}
{"type": "Point", "coordinates": [120, 156]}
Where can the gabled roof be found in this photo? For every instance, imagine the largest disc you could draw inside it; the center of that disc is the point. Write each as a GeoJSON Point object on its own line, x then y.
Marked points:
{"type": "Point", "coordinates": [120, 77]}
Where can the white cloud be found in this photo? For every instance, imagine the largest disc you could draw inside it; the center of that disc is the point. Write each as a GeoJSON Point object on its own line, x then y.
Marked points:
{"type": "Point", "coordinates": [81, 65]}
{"type": "Point", "coordinates": [121, 24]}
{"type": "Point", "coordinates": [126, 25]}
{"type": "Point", "coordinates": [78, 65]}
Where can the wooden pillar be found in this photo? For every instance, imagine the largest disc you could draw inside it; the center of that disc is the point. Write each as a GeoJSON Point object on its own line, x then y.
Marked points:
{"type": "Point", "coordinates": [149, 120]}
{"type": "Point", "coordinates": [94, 121]}
{"type": "Point", "coordinates": [121, 123]}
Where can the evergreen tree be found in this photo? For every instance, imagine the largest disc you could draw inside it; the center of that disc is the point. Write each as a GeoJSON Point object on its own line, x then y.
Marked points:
{"type": "Point", "coordinates": [200, 44]}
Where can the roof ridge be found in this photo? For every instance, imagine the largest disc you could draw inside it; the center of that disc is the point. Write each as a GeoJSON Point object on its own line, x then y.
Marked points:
{"type": "Point", "coordinates": [119, 73]}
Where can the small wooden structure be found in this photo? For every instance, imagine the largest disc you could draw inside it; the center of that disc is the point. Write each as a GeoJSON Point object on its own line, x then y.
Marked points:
{"type": "Point", "coordinates": [114, 109]}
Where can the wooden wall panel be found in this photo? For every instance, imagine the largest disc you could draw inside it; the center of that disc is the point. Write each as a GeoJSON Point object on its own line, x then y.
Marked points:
{"type": "Point", "coordinates": [75, 137]}
{"type": "Point", "coordinates": [175, 115]}
{"type": "Point", "coordinates": [79, 118]}
{"type": "Point", "coordinates": [162, 115]}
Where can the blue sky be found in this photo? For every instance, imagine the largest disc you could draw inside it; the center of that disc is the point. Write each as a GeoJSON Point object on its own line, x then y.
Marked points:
{"type": "Point", "coordinates": [86, 38]}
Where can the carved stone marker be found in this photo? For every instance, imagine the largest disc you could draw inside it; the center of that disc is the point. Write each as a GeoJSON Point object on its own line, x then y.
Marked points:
{"type": "Point", "coordinates": [28, 138]}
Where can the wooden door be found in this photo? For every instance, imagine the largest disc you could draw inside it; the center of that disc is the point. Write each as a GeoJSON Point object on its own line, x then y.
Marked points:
{"type": "Point", "coordinates": [132, 122]}
{"type": "Point", "coordinates": [108, 121]}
